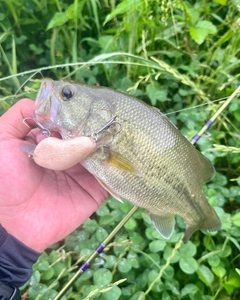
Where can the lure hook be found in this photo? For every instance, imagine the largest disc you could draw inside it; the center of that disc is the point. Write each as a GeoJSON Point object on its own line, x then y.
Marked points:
{"type": "Point", "coordinates": [45, 131]}
{"type": "Point", "coordinates": [112, 121]}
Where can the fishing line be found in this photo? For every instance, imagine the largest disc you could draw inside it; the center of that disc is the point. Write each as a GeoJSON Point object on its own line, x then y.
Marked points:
{"type": "Point", "coordinates": [101, 247]}
{"type": "Point", "coordinates": [196, 106]}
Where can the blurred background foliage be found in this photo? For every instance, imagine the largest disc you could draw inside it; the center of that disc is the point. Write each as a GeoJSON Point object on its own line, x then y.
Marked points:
{"type": "Point", "coordinates": [177, 55]}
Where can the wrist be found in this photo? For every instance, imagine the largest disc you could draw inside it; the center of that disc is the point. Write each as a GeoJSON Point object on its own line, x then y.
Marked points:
{"type": "Point", "coordinates": [16, 260]}
{"type": "Point", "coordinates": [30, 239]}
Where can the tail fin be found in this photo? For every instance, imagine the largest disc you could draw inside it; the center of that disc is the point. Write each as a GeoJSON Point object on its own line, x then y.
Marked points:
{"type": "Point", "coordinates": [210, 223]}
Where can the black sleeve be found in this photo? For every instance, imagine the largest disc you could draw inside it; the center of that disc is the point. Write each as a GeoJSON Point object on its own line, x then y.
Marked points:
{"type": "Point", "coordinates": [9, 292]}
{"type": "Point", "coordinates": [16, 260]}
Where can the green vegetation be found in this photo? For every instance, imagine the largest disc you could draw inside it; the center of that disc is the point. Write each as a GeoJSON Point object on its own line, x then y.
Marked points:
{"type": "Point", "coordinates": [176, 55]}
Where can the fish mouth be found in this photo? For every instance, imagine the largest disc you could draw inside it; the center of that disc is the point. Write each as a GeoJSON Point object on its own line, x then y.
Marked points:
{"type": "Point", "coordinates": [47, 106]}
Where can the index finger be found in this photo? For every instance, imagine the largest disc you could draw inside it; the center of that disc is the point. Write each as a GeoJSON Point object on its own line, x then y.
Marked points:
{"type": "Point", "coordinates": [11, 122]}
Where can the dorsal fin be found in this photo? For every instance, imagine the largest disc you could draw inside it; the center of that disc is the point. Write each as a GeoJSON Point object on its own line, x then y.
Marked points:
{"type": "Point", "coordinates": [207, 170]}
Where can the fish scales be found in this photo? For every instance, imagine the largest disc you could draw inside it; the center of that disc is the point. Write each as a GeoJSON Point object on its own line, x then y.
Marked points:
{"type": "Point", "coordinates": [141, 156]}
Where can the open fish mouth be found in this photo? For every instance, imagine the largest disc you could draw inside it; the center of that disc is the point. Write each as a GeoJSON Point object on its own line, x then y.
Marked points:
{"type": "Point", "coordinates": [47, 106]}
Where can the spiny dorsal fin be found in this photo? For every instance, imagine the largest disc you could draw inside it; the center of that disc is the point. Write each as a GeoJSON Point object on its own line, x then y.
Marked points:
{"type": "Point", "coordinates": [164, 224]}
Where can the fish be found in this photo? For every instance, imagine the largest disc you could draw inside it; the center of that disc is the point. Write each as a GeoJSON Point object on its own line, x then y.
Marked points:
{"type": "Point", "coordinates": [141, 156]}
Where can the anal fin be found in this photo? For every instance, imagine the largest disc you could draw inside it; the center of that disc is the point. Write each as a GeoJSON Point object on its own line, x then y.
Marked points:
{"type": "Point", "coordinates": [164, 224]}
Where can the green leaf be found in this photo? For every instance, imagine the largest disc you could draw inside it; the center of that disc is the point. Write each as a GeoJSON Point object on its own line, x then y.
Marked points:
{"type": "Point", "coordinates": [111, 260]}
{"type": "Point", "coordinates": [220, 179]}
{"type": "Point", "coordinates": [125, 83]}
{"type": "Point", "coordinates": [114, 293]}
{"type": "Point", "coordinates": [214, 260]}
{"type": "Point", "coordinates": [103, 210]}
{"type": "Point", "coordinates": [5, 35]}
{"type": "Point", "coordinates": [35, 278]}
{"type": "Point", "coordinates": [236, 219]}
{"type": "Point", "coordinates": [131, 224]}
{"type": "Point", "coordinates": [188, 265]}
{"type": "Point", "coordinates": [59, 267]}
{"type": "Point", "coordinates": [101, 234]}
{"type": "Point", "coordinates": [138, 239]}
{"type": "Point", "coordinates": [206, 275]}
{"type": "Point", "coordinates": [124, 6]}
{"type": "Point", "coordinates": [169, 272]}
{"type": "Point", "coordinates": [37, 289]}
{"type": "Point", "coordinates": [234, 106]}
{"type": "Point", "coordinates": [156, 246]}
{"type": "Point", "coordinates": [106, 220]}
{"type": "Point", "coordinates": [235, 242]}
{"type": "Point", "coordinates": [201, 30]}
{"type": "Point", "coordinates": [85, 276]}
{"type": "Point", "coordinates": [137, 296]}
{"type": "Point", "coordinates": [155, 93]}
{"type": "Point", "coordinates": [226, 251]}
{"type": "Point", "coordinates": [166, 296]}
{"type": "Point", "coordinates": [219, 271]}
{"type": "Point", "coordinates": [222, 2]}
{"type": "Point", "coordinates": [152, 275]}
{"type": "Point", "coordinates": [229, 288]}
{"type": "Point", "coordinates": [124, 266]}
{"type": "Point", "coordinates": [58, 19]}
{"type": "Point", "coordinates": [47, 275]}
{"type": "Point", "coordinates": [189, 288]}
{"type": "Point", "coordinates": [133, 259]}
{"type": "Point", "coordinates": [193, 14]}
{"type": "Point", "coordinates": [211, 29]}
{"type": "Point", "coordinates": [90, 225]}
{"type": "Point", "coordinates": [234, 279]}
{"type": "Point", "coordinates": [102, 277]}
{"type": "Point", "coordinates": [49, 294]}
{"type": "Point", "coordinates": [198, 34]}
{"type": "Point", "coordinates": [42, 264]}
{"type": "Point", "coordinates": [36, 50]}
{"type": "Point", "coordinates": [2, 16]}
{"type": "Point", "coordinates": [106, 43]}
{"type": "Point", "coordinates": [168, 251]}
{"type": "Point", "coordinates": [188, 250]}
{"type": "Point", "coordinates": [173, 287]}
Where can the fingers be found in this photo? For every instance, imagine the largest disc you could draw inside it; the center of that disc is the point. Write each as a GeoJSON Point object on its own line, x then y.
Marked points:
{"type": "Point", "coordinates": [12, 121]}
{"type": "Point", "coordinates": [56, 154]}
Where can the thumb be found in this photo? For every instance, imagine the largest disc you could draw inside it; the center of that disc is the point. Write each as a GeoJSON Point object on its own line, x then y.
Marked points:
{"type": "Point", "coordinates": [11, 122]}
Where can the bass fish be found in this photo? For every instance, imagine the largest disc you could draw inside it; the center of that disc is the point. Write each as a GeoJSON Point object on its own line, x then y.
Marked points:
{"type": "Point", "coordinates": [140, 155]}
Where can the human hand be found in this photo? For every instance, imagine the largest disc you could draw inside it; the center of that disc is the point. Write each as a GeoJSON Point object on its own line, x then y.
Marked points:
{"type": "Point", "coordinates": [40, 206]}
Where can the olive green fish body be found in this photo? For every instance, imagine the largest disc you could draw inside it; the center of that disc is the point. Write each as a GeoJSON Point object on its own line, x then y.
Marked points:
{"type": "Point", "coordinates": [141, 155]}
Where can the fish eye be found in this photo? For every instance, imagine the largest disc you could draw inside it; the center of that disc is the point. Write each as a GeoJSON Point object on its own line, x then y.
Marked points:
{"type": "Point", "coordinates": [67, 93]}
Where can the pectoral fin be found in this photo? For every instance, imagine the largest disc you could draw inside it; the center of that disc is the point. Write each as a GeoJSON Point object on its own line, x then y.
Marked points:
{"type": "Point", "coordinates": [164, 224]}
{"type": "Point", "coordinates": [116, 160]}
{"type": "Point", "coordinates": [109, 190]}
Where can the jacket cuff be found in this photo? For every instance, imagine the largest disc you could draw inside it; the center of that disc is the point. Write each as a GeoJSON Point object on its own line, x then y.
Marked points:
{"type": "Point", "coordinates": [16, 260]}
